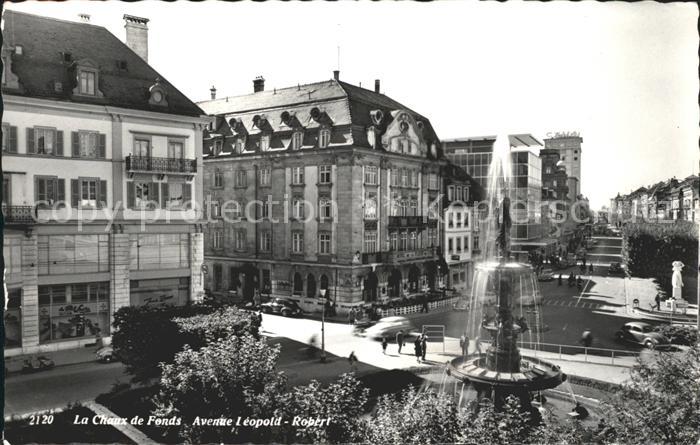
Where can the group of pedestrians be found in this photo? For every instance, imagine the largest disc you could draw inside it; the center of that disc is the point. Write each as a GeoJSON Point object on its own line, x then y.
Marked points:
{"type": "Point", "coordinates": [420, 345]}
{"type": "Point", "coordinates": [464, 344]}
{"type": "Point", "coordinates": [573, 280]}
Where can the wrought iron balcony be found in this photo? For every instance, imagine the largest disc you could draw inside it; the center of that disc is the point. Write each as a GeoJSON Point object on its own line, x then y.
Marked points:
{"type": "Point", "coordinates": [400, 256]}
{"type": "Point", "coordinates": [18, 214]}
{"type": "Point", "coordinates": [406, 221]}
{"type": "Point", "coordinates": [160, 165]}
{"type": "Point", "coordinates": [369, 258]}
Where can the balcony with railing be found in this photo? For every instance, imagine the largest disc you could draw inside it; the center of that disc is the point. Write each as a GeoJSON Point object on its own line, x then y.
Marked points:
{"type": "Point", "coordinates": [400, 256]}
{"type": "Point", "coordinates": [406, 221]}
{"type": "Point", "coordinates": [150, 164]}
{"type": "Point", "coordinates": [18, 214]}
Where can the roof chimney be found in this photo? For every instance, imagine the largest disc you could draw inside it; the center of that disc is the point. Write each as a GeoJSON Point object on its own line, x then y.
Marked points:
{"type": "Point", "coordinates": [137, 35]}
{"type": "Point", "coordinates": [84, 18]}
{"type": "Point", "coordinates": [258, 84]}
{"type": "Point", "coordinates": [376, 85]}
{"type": "Point", "coordinates": [212, 90]}
{"type": "Point", "coordinates": [336, 74]}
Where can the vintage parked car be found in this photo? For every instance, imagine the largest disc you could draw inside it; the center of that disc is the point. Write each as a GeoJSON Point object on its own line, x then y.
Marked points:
{"type": "Point", "coordinates": [287, 308]}
{"type": "Point", "coordinates": [461, 305]}
{"type": "Point", "coordinates": [545, 275]}
{"type": "Point", "coordinates": [388, 327]}
{"type": "Point", "coordinates": [616, 269]}
{"type": "Point", "coordinates": [643, 334]}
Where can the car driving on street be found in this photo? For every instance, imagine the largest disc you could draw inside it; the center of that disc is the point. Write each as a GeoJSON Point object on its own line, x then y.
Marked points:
{"type": "Point", "coordinates": [388, 327]}
{"type": "Point", "coordinates": [643, 334]}
{"type": "Point", "coordinates": [287, 308]}
{"type": "Point", "coordinates": [615, 269]}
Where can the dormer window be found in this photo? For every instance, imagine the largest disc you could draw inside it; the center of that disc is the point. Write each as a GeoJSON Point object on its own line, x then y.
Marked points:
{"type": "Point", "coordinates": [87, 78]}
{"type": "Point", "coordinates": [324, 137]}
{"type": "Point", "coordinates": [297, 140]}
{"type": "Point", "coordinates": [264, 142]}
{"type": "Point", "coordinates": [87, 82]}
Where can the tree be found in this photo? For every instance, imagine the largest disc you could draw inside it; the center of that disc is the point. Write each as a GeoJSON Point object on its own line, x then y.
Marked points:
{"type": "Point", "coordinates": [660, 404]}
{"type": "Point", "coordinates": [414, 416]}
{"type": "Point", "coordinates": [231, 377]}
{"type": "Point", "coordinates": [343, 401]}
{"type": "Point", "coordinates": [146, 336]}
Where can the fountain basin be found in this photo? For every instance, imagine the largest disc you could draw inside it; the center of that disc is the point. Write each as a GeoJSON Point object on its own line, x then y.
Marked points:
{"type": "Point", "coordinates": [534, 375]}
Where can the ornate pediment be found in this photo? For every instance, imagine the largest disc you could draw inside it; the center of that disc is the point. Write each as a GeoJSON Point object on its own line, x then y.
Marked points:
{"type": "Point", "coordinates": [404, 135]}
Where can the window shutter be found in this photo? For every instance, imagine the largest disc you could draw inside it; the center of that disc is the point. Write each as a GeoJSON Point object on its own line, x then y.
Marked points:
{"type": "Point", "coordinates": [187, 195]}
{"type": "Point", "coordinates": [61, 191]}
{"type": "Point", "coordinates": [153, 192]}
{"type": "Point", "coordinates": [101, 146]}
{"type": "Point", "coordinates": [59, 143]}
{"type": "Point", "coordinates": [164, 195]}
{"type": "Point", "coordinates": [75, 144]}
{"type": "Point", "coordinates": [30, 140]}
{"type": "Point", "coordinates": [37, 182]}
{"type": "Point", "coordinates": [102, 194]}
{"type": "Point", "coordinates": [130, 195]}
{"type": "Point", "coordinates": [13, 140]}
{"type": "Point", "coordinates": [74, 192]}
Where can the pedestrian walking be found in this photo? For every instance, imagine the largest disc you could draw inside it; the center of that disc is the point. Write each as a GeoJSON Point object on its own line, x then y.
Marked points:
{"type": "Point", "coordinates": [657, 299]}
{"type": "Point", "coordinates": [417, 349]}
{"type": "Point", "coordinates": [351, 316]}
{"type": "Point", "coordinates": [477, 345]}
{"type": "Point", "coordinates": [384, 343]}
{"type": "Point", "coordinates": [587, 338]}
{"type": "Point", "coordinates": [590, 268]}
{"type": "Point", "coordinates": [560, 280]}
{"type": "Point", "coordinates": [584, 261]}
{"type": "Point", "coordinates": [464, 344]}
{"type": "Point", "coordinates": [352, 359]}
{"type": "Point", "coordinates": [399, 340]}
{"type": "Point", "coordinates": [424, 346]}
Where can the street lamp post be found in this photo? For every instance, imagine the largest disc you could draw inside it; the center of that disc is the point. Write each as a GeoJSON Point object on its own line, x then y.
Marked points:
{"type": "Point", "coordinates": [323, 326]}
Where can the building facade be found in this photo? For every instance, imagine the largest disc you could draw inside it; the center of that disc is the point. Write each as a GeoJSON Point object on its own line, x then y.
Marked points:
{"type": "Point", "coordinates": [101, 169]}
{"type": "Point", "coordinates": [321, 186]}
{"type": "Point", "coordinates": [460, 227]}
{"type": "Point", "coordinates": [569, 147]}
{"type": "Point", "coordinates": [474, 155]}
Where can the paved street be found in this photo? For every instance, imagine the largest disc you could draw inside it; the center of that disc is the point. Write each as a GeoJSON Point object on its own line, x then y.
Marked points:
{"type": "Point", "coordinates": [60, 386]}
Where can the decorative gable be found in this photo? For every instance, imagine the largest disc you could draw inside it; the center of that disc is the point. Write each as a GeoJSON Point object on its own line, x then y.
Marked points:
{"type": "Point", "coordinates": [403, 135]}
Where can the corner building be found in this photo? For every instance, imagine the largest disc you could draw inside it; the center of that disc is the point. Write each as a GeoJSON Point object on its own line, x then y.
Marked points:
{"type": "Point", "coordinates": [101, 165]}
{"type": "Point", "coordinates": [338, 182]}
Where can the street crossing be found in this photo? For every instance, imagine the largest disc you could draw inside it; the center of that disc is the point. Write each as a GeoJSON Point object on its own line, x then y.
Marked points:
{"type": "Point", "coordinates": [578, 303]}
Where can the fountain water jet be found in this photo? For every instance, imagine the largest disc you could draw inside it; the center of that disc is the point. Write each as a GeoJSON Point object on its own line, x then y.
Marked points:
{"type": "Point", "coordinates": [498, 285]}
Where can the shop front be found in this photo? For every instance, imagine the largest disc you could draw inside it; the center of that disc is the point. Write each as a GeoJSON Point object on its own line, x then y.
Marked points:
{"type": "Point", "coordinates": [73, 311]}
{"type": "Point", "coordinates": [160, 292]}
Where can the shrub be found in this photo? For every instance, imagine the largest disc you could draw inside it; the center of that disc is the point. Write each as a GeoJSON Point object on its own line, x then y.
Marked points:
{"type": "Point", "coordinates": [679, 335]}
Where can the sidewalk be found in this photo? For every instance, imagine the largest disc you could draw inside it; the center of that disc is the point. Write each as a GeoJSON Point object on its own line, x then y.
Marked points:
{"type": "Point", "coordinates": [60, 358]}
{"type": "Point", "coordinates": [370, 352]}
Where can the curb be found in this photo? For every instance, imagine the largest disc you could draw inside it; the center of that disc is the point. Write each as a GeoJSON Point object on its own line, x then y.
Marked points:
{"type": "Point", "coordinates": [128, 430]}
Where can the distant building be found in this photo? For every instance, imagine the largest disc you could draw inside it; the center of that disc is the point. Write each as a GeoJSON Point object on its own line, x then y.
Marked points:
{"type": "Point", "coordinates": [569, 147]}
{"type": "Point", "coordinates": [664, 201]}
{"type": "Point", "coordinates": [474, 155]}
{"type": "Point", "coordinates": [460, 227]}
{"type": "Point", "coordinates": [340, 181]}
{"type": "Point", "coordinates": [102, 158]}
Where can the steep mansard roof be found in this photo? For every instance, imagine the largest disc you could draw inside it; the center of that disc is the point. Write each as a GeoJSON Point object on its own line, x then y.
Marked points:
{"type": "Point", "coordinates": [41, 64]}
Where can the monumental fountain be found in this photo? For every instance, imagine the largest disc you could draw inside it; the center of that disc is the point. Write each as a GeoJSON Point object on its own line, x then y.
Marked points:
{"type": "Point", "coordinates": [501, 286]}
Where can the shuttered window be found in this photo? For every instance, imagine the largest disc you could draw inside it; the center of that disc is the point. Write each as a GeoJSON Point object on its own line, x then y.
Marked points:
{"type": "Point", "coordinates": [88, 193]}
{"type": "Point", "coordinates": [44, 141]}
{"type": "Point", "coordinates": [142, 195]}
{"type": "Point", "coordinates": [49, 191]}
{"type": "Point", "coordinates": [9, 138]}
{"type": "Point", "coordinates": [88, 144]}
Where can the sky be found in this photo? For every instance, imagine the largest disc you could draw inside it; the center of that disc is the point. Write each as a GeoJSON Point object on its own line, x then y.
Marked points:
{"type": "Point", "coordinates": [622, 74]}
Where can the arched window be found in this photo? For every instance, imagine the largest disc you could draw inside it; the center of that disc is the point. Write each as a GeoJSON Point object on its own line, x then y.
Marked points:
{"type": "Point", "coordinates": [310, 286]}
{"type": "Point", "coordinates": [298, 284]}
{"type": "Point", "coordinates": [324, 137]}
{"type": "Point", "coordinates": [324, 282]}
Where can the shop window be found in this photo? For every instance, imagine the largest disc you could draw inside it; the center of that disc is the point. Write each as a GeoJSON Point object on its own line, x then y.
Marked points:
{"type": "Point", "coordinates": [68, 254]}
{"type": "Point", "coordinates": [73, 311]}
{"type": "Point", "coordinates": [159, 251]}
{"type": "Point", "coordinates": [166, 291]}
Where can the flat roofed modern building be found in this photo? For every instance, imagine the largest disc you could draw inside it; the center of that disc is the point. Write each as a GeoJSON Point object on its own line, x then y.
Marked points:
{"type": "Point", "coordinates": [338, 182]}
{"type": "Point", "coordinates": [101, 165]}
